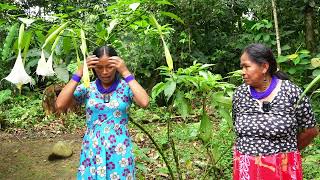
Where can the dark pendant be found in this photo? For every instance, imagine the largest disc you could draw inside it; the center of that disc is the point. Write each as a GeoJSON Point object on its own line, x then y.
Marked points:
{"type": "Point", "coordinates": [106, 98]}
{"type": "Point", "coordinates": [266, 106]}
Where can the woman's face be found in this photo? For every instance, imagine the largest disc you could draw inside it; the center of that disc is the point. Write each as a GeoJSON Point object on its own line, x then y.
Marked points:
{"type": "Point", "coordinates": [103, 70]}
{"type": "Point", "coordinates": [253, 74]}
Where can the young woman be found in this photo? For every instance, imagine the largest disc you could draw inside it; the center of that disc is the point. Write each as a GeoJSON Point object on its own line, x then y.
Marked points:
{"type": "Point", "coordinates": [271, 127]}
{"type": "Point", "coordinates": [106, 148]}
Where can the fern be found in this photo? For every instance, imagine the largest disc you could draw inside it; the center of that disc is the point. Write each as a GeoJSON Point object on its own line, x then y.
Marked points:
{"type": "Point", "coordinates": [6, 51]}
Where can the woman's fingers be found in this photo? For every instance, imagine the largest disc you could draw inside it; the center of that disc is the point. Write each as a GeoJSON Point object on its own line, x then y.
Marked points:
{"type": "Point", "coordinates": [118, 63]}
{"type": "Point", "coordinates": [92, 61]}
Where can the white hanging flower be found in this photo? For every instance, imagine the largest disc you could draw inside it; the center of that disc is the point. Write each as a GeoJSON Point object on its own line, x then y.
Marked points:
{"type": "Point", "coordinates": [50, 67]}
{"type": "Point", "coordinates": [45, 68]}
{"type": "Point", "coordinates": [42, 65]}
{"type": "Point", "coordinates": [18, 74]}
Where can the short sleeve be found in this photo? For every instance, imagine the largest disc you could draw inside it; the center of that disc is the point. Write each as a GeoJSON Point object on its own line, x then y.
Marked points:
{"type": "Point", "coordinates": [80, 93]}
{"type": "Point", "coordinates": [304, 114]}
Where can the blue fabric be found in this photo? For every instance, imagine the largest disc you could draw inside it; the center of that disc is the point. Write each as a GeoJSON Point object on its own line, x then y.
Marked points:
{"type": "Point", "coordinates": [106, 151]}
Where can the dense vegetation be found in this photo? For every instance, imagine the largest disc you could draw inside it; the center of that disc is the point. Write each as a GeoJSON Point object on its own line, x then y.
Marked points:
{"type": "Point", "coordinates": [185, 53]}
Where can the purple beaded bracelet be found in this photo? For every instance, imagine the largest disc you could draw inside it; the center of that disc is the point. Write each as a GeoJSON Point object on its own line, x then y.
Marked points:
{"type": "Point", "coordinates": [129, 78]}
{"type": "Point", "coordinates": [76, 78]}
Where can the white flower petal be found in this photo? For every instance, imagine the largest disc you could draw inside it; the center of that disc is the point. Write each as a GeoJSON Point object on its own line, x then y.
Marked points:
{"type": "Point", "coordinates": [42, 67]}
{"type": "Point", "coordinates": [134, 6]}
{"type": "Point", "coordinates": [18, 74]}
{"type": "Point", "coordinates": [50, 67]}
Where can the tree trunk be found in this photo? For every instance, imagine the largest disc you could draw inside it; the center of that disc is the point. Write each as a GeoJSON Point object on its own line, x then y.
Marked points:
{"type": "Point", "coordinates": [309, 21]}
{"type": "Point", "coordinates": [275, 17]}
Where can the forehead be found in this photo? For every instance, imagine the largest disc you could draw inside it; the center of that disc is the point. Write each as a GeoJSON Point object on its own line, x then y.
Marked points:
{"type": "Point", "coordinates": [245, 59]}
{"type": "Point", "coordinates": [103, 60]}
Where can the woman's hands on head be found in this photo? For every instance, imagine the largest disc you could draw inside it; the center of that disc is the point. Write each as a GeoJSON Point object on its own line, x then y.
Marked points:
{"type": "Point", "coordinates": [91, 63]}
{"type": "Point", "coordinates": [113, 61]}
{"type": "Point", "coordinates": [119, 64]}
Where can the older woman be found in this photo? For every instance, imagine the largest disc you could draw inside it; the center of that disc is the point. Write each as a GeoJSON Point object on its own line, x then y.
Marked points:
{"type": "Point", "coordinates": [271, 127]}
{"type": "Point", "coordinates": [106, 148]}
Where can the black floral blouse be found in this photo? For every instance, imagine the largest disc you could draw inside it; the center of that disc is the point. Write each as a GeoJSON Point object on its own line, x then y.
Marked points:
{"type": "Point", "coordinates": [266, 133]}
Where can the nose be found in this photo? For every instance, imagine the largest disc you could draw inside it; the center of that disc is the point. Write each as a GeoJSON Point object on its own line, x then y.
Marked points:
{"type": "Point", "coordinates": [243, 72]}
{"type": "Point", "coordinates": [105, 70]}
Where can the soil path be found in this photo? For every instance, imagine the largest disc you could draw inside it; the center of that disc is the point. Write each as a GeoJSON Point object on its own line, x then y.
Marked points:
{"type": "Point", "coordinates": [27, 158]}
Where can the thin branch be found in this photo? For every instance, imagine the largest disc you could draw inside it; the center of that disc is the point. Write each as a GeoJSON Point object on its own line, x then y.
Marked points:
{"type": "Point", "coordinates": [155, 144]}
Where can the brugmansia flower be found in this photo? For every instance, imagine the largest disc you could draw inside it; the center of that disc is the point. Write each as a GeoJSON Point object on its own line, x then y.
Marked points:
{"type": "Point", "coordinates": [42, 65]}
{"type": "Point", "coordinates": [45, 68]}
{"type": "Point", "coordinates": [49, 65]}
{"type": "Point", "coordinates": [18, 75]}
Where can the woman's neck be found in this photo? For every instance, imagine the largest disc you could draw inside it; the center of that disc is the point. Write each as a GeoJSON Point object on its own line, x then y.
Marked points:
{"type": "Point", "coordinates": [106, 85]}
{"type": "Point", "coordinates": [263, 85]}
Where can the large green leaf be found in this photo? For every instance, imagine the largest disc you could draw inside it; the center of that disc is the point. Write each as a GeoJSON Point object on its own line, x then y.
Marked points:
{"type": "Point", "coordinates": [62, 73]}
{"type": "Point", "coordinates": [6, 49]}
{"type": "Point", "coordinates": [54, 34]}
{"type": "Point", "coordinates": [26, 44]}
{"type": "Point", "coordinates": [157, 89]}
{"type": "Point", "coordinates": [182, 105]}
{"type": "Point", "coordinates": [170, 87]}
{"type": "Point", "coordinates": [173, 16]}
{"type": "Point", "coordinates": [218, 99]}
{"type": "Point", "coordinates": [205, 130]}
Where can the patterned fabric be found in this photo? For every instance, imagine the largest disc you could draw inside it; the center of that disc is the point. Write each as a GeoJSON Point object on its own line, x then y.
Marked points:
{"type": "Point", "coordinates": [281, 166]}
{"type": "Point", "coordinates": [106, 151]}
{"type": "Point", "coordinates": [265, 133]}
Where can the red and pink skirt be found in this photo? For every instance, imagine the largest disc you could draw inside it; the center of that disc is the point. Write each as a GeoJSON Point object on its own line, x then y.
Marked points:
{"type": "Point", "coordinates": [280, 166]}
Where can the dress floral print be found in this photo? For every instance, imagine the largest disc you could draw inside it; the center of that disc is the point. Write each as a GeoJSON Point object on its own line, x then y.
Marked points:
{"type": "Point", "coordinates": [106, 151]}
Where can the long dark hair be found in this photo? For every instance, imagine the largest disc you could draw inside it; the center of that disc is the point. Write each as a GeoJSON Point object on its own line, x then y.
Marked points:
{"type": "Point", "coordinates": [104, 51]}
{"type": "Point", "coordinates": [259, 54]}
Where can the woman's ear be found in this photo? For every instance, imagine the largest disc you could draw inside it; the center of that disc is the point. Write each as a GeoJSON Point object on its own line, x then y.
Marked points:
{"type": "Point", "coordinates": [265, 68]}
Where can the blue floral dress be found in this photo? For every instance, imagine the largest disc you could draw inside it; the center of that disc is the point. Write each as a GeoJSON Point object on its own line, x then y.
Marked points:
{"type": "Point", "coordinates": [106, 151]}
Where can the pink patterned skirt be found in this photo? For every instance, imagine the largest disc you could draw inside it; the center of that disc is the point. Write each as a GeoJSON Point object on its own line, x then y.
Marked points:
{"type": "Point", "coordinates": [280, 166]}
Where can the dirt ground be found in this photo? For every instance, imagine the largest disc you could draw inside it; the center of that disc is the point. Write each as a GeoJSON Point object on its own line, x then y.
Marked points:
{"type": "Point", "coordinates": [27, 158]}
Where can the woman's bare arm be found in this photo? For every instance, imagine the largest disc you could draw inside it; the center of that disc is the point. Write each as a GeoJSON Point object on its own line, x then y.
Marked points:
{"type": "Point", "coordinates": [305, 137]}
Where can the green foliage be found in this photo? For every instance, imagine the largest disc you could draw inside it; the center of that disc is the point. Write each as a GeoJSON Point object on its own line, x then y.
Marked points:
{"type": "Point", "coordinates": [22, 111]}
{"type": "Point", "coordinates": [302, 65]}
{"type": "Point", "coordinates": [205, 130]}
{"type": "Point", "coordinates": [6, 50]}
{"type": "Point", "coordinates": [5, 95]}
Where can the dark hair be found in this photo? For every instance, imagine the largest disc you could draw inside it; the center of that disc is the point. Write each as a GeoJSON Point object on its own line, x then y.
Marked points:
{"type": "Point", "coordinates": [260, 53]}
{"type": "Point", "coordinates": [104, 51]}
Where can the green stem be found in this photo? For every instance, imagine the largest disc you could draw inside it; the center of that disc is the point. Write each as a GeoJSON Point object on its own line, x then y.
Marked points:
{"type": "Point", "coordinates": [155, 144]}
{"type": "Point", "coordinates": [176, 158]}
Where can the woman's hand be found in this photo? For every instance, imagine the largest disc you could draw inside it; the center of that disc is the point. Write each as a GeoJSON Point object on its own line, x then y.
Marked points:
{"type": "Point", "coordinates": [119, 64]}
{"type": "Point", "coordinates": [91, 63]}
